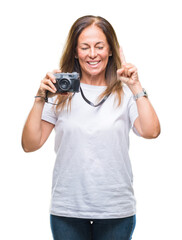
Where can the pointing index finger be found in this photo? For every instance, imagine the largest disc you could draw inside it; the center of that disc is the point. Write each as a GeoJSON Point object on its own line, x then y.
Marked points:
{"type": "Point", "coordinates": [122, 57]}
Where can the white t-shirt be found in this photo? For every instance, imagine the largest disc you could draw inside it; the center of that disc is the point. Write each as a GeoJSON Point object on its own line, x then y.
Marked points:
{"type": "Point", "coordinates": [92, 176]}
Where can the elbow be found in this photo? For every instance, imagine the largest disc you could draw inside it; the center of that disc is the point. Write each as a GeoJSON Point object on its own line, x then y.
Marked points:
{"type": "Point", "coordinates": [27, 148]}
{"type": "Point", "coordinates": [157, 131]}
{"type": "Point", "coordinates": [152, 134]}
{"type": "Point", "coordinates": [155, 134]}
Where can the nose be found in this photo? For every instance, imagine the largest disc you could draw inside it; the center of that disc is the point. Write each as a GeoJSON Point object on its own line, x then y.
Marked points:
{"type": "Point", "coordinates": [92, 53]}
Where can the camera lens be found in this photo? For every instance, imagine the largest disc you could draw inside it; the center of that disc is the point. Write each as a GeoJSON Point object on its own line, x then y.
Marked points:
{"type": "Point", "coordinates": [64, 84]}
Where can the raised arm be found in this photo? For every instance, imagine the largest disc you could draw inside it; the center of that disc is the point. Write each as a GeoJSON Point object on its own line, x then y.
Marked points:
{"type": "Point", "coordinates": [36, 131]}
{"type": "Point", "coordinates": [147, 124]}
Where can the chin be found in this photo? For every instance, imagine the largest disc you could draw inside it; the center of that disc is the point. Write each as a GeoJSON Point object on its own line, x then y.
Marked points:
{"type": "Point", "coordinates": [95, 73]}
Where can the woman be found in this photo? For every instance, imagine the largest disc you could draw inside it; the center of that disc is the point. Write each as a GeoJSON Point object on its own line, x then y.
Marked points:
{"type": "Point", "coordinates": [92, 193]}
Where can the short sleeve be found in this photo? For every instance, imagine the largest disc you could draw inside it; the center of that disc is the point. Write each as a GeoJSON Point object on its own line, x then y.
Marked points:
{"type": "Point", "coordinates": [133, 114]}
{"type": "Point", "coordinates": [49, 113]}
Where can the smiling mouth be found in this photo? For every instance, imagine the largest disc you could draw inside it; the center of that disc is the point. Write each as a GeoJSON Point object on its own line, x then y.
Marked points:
{"type": "Point", "coordinates": [93, 63]}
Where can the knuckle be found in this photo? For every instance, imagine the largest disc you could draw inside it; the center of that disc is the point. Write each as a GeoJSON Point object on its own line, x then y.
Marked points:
{"type": "Point", "coordinates": [49, 75]}
{"type": "Point", "coordinates": [56, 71]}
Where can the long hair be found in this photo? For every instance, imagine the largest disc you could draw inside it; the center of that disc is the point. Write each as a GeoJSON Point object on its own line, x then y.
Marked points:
{"type": "Point", "coordinates": [68, 62]}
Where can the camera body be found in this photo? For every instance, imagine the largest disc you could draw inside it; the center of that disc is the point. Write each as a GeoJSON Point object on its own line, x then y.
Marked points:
{"type": "Point", "coordinates": [67, 82]}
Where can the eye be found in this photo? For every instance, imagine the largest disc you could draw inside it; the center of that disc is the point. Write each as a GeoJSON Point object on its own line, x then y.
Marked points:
{"type": "Point", "coordinates": [84, 48]}
{"type": "Point", "coordinates": [100, 47]}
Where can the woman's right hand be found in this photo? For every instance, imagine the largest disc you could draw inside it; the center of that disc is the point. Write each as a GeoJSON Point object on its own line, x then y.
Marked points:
{"type": "Point", "coordinates": [47, 84]}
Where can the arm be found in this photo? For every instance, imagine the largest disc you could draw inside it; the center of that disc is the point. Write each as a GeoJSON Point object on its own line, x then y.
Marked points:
{"type": "Point", "coordinates": [147, 124]}
{"type": "Point", "coordinates": [36, 131]}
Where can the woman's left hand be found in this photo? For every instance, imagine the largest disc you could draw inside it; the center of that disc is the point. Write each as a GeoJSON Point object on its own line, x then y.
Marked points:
{"type": "Point", "coordinates": [128, 74]}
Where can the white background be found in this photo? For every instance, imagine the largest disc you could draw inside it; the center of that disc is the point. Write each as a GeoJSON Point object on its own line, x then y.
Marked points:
{"type": "Point", "coordinates": [32, 36]}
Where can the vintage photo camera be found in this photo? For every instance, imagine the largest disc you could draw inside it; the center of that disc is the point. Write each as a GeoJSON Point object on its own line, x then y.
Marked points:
{"type": "Point", "coordinates": [67, 82]}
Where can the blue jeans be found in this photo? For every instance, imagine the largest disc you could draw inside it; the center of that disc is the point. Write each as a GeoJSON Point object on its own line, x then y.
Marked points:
{"type": "Point", "coordinates": [65, 228]}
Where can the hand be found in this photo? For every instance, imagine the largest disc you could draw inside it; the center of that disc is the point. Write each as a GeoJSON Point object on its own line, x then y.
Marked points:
{"type": "Point", "coordinates": [47, 84]}
{"type": "Point", "coordinates": [128, 74]}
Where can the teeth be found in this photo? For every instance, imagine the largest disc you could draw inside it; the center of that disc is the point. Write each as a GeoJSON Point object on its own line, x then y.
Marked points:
{"type": "Point", "coordinates": [93, 63]}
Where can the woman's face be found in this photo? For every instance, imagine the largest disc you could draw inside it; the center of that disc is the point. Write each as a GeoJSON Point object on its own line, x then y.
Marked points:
{"type": "Point", "coordinates": [93, 51]}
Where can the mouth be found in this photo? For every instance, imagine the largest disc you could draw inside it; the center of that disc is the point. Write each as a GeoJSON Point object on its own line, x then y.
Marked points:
{"type": "Point", "coordinates": [93, 63]}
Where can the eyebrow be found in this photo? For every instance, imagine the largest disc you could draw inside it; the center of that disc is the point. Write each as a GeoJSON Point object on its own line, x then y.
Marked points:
{"type": "Point", "coordinates": [95, 44]}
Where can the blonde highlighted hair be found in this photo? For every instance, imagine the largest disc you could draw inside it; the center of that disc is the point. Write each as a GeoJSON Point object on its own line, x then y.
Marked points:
{"type": "Point", "coordinates": [68, 62]}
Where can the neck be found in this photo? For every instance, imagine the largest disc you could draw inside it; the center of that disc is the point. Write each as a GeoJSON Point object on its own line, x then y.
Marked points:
{"type": "Point", "coordinates": [93, 80]}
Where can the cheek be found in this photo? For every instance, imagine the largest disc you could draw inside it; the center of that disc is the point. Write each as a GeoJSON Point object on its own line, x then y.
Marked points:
{"type": "Point", "coordinates": [105, 54]}
{"type": "Point", "coordinates": [80, 55]}
{"type": "Point", "coordinates": [105, 57]}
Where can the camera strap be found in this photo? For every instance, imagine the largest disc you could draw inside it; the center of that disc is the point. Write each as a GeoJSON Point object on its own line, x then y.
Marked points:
{"type": "Point", "coordinates": [46, 98]}
{"type": "Point", "coordinates": [89, 102]}
{"type": "Point", "coordinates": [92, 104]}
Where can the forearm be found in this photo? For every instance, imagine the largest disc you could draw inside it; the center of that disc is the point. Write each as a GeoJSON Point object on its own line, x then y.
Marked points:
{"type": "Point", "coordinates": [148, 122]}
{"type": "Point", "coordinates": [31, 136]}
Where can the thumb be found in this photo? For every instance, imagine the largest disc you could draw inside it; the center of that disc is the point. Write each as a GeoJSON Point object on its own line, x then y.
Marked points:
{"type": "Point", "coordinates": [120, 71]}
